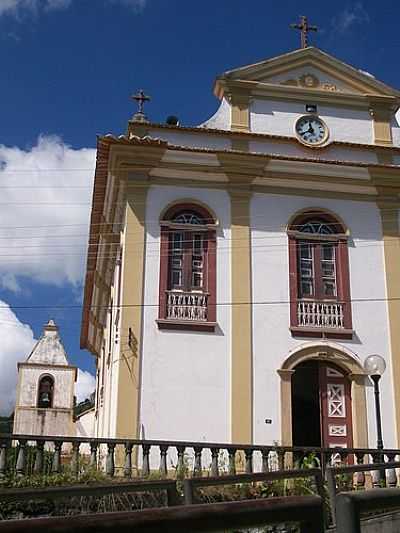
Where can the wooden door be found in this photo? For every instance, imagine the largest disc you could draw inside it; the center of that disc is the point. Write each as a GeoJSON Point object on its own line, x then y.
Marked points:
{"type": "Point", "coordinates": [335, 405]}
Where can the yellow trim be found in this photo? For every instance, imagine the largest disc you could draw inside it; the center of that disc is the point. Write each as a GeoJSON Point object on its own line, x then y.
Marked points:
{"type": "Point", "coordinates": [242, 364]}
{"type": "Point", "coordinates": [128, 387]}
{"type": "Point", "coordinates": [240, 113]}
{"type": "Point", "coordinates": [382, 117]}
{"type": "Point", "coordinates": [391, 246]}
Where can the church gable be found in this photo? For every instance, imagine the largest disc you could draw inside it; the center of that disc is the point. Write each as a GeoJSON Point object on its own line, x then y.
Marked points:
{"type": "Point", "coordinates": [308, 68]}
{"type": "Point", "coordinates": [49, 349]}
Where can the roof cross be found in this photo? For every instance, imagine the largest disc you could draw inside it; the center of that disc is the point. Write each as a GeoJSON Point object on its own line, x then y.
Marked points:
{"type": "Point", "coordinates": [141, 98]}
{"type": "Point", "coordinates": [305, 28]}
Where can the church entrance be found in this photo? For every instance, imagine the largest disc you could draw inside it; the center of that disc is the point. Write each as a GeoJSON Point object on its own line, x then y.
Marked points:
{"type": "Point", "coordinates": [321, 406]}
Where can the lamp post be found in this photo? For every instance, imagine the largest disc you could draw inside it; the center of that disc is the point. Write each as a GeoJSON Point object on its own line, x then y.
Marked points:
{"type": "Point", "coordinates": [375, 366]}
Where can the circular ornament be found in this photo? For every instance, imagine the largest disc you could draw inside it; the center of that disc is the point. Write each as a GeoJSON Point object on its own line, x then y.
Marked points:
{"type": "Point", "coordinates": [311, 130]}
{"type": "Point", "coordinates": [309, 80]}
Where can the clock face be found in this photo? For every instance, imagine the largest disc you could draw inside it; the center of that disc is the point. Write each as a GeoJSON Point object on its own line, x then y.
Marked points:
{"type": "Point", "coordinates": [311, 130]}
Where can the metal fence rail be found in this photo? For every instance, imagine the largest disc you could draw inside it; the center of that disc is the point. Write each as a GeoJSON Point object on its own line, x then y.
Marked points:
{"type": "Point", "coordinates": [303, 510]}
{"type": "Point", "coordinates": [351, 505]}
{"type": "Point", "coordinates": [190, 485]}
{"type": "Point", "coordinates": [99, 489]}
{"type": "Point", "coordinates": [382, 473]}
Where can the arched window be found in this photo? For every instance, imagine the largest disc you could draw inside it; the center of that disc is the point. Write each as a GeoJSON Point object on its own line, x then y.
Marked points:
{"type": "Point", "coordinates": [187, 268]}
{"type": "Point", "coordinates": [319, 276]}
{"type": "Point", "coordinates": [46, 391]}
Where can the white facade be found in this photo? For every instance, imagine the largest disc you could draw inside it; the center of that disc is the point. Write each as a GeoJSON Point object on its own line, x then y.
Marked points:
{"type": "Point", "coordinates": [184, 379]}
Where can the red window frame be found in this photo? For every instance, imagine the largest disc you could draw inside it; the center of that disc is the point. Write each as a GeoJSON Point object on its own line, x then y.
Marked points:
{"type": "Point", "coordinates": [168, 228]}
{"type": "Point", "coordinates": [339, 241]}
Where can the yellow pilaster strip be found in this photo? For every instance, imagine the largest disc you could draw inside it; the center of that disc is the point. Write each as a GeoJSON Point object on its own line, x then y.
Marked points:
{"type": "Point", "coordinates": [359, 411]}
{"type": "Point", "coordinates": [382, 116]}
{"type": "Point", "coordinates": [240, 111]}
{"type": "Point", "coordinates": [242, 371]}
{"type": "Point", "coordinates": [127, 423]}
{"type": "Point", "coordinates": [391, 245]}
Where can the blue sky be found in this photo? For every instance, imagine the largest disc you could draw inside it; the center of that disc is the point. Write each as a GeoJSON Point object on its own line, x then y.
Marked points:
{"type": "Point", "coordinates": [68, 69]}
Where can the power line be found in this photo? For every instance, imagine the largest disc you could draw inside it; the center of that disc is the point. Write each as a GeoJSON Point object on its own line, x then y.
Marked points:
{"type": "Point", "coordinates": [219, 304]}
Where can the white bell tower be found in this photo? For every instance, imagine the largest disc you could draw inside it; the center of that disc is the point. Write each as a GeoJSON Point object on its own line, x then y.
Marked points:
{"type": "Point", "coordinates": [45, 391]}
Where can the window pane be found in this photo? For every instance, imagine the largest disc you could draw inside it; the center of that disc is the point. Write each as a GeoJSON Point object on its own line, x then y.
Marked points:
{"type": "Point", "coordinates": [306, 288]}
{"type": "Point", "coordinates": [306, 270]}
{"type": "Point", "coordinates": [328, 269]}
{"type": "Point", "coordinates": [329, 288]}
{"type": "Point", "coordinates": [305, 250]}
{"type": "Point", "coordinates": [197, 280]}
{"type": "Point", "coordinates": [328, 252]}
{"type": "Point", "coordinates": [176, 278]}
{"type": "Point", "coordinates": [177, 239]}
{"type": "Point", "coordinates": [197, 244]}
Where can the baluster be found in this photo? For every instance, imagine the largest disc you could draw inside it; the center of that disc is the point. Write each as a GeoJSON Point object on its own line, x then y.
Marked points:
{"type": "Point", "coordinates": [56, 466]}
{"type": "Point", "coordinates": [93, 454]}
{"type": "Point", "coordinates": [391, 476]}
{"type": "Point", "coordinates": [181, 462]}
{"type": "Point", "coordinates": [281, 459]}
{"type": "Point", "coordinates": [39, 457]}
{"type": "Point", "coordinates": [75, 458]}
{"type": "Point", "coordinates": [232, 461]}
{"type": "Point", "coordinates": [343, 456]}
{"type": "Point", "coordinates": [198, 469]}
{"type": "Point", "coordinates": [376, 474]}
{"type": "Point", "coordinates": [3, 459]}
{"type": "Point", "coordinates": [110, 466]}
{"type": "Point", "coordinates": [21, 458]}
{"type": "Point", "coordinates": [128, 459]}
{"type": "Point", "coordinates": [146, 460]}
{"type": "Point", "coordinates": [360, 476]}
{"type": "Point", "coordinates": [265, 464]}
{"type": "Point", "coordinates": [214, 461]}
{"type": "Point", "coordinates": [163, 460]}
{"type": "Point", "coordinates": [249, 461]}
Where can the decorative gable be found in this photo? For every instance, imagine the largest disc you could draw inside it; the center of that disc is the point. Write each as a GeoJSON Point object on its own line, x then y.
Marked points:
{"type": "Point", "coordinates": [308, 68]}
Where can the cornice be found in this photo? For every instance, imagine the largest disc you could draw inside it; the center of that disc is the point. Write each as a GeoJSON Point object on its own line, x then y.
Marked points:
{"type": "Point", "coordinates": [266, 136]}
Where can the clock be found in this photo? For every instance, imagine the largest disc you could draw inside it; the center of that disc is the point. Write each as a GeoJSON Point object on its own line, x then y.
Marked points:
{"type": "Point", "coordinates": [311, 130]}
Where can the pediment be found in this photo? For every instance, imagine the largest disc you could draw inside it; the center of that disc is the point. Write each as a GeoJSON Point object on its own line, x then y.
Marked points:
{"type": "Point", "coordinates": [312, 69]}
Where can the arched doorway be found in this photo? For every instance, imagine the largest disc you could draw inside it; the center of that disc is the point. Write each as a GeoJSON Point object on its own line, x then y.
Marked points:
{"type": "Point", "coordinates": [321, 406]}
{"type": "Point", "coordinates": [336, 357]}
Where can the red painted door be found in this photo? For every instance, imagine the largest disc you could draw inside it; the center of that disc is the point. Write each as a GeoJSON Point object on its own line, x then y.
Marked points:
{"type": "Point", "coordinates": [335, 403]}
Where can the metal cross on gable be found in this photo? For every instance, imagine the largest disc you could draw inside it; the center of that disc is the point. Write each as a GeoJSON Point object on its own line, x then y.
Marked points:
{"type": "Point", "coordinates": [305, 28]}
{"type": "Point", "coordinates": [141, 99]}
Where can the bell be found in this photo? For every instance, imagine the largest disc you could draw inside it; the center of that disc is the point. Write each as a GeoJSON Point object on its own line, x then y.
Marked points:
{"type": "Point", "coordinates": [45, 397]}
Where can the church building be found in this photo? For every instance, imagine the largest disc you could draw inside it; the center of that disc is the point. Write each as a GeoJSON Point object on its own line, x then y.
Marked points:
{"type": "Point", "coordinates": [240, 272]}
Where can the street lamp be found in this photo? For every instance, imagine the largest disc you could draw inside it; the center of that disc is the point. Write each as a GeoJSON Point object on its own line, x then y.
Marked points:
{"type": "Point", "coordinates": [375, 366]}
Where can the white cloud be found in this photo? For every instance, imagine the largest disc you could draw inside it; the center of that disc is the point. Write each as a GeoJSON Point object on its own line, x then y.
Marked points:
{"type": "Point", "coordinates": [45, 196]}
{"type": "Point", "coordinates": [19, 7]}
{"type": "Point", "coordinates": [85, 385]}
{"type": "Point", "coordinates": [354, 14]}
{"type": "Point", "coordinates": [16, 7]}
{"type": "Point", "coordinates": [17, 341]}
{"type": "Point", "coordinates": [16, 344]}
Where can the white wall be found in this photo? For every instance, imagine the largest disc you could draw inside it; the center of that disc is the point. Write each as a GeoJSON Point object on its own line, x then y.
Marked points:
{"type": "Point", "coordinates": [278, 117]}
{"type": "Point", "coordinates": [186, 375]}
{"type": "Point", "coordinates": [272, 340]}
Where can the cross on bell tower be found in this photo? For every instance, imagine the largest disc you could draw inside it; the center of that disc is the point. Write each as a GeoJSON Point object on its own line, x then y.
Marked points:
{"type": "Point", "coordinates": [305, 28]}
{"type": "Point", "coordinates": [141, 99]}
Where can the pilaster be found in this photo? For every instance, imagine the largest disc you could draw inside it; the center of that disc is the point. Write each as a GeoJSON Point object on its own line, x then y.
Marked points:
{"type": "Point", "coordinates": [241, 295]}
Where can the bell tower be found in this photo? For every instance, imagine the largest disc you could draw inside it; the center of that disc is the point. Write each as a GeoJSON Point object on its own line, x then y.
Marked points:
{"type": "Point", "coordinates": [45, 391]}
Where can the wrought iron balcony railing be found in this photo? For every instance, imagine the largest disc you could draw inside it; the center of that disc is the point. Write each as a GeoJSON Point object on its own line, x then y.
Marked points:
{"type": "Point", "coordinates": [187, 306]}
